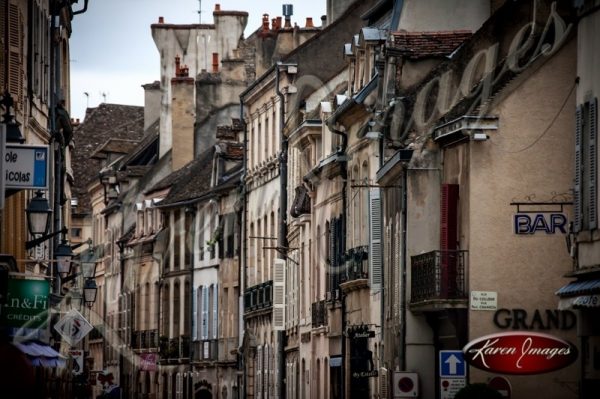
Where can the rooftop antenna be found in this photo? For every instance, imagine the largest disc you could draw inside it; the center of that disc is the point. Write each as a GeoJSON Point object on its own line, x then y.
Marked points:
{"type": "Point", "coordinates": [87, 99]}
{"type": "Point", "coordinates": [200, 11]}
{"type": "Point", "coordinates": [104, 96]}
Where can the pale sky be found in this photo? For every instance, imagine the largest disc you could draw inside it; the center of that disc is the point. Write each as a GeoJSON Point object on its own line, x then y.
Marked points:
{"type": "Point", "coordinates": [112, 50]}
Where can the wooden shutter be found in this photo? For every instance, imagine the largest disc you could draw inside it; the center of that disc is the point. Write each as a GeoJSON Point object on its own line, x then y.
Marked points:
{"type": "Point", "coordinates": [259, 367]}
{"type": "Point", "coordinates": [593, 164]}
{"type": "Point", "coordinates": [195, 314]}
{"type": "Point", "coordinates": [375, 239]}
{"type": "Point", "coordinates": [279, 295]}
{"type": "Point", "coordinates": [16, 66]}
{"type": "Point", "coordinates": [449, 215]}
{"type": "Point", "coordinates": [215, 314]}
{"type": "Point", "coordinates": [577, 198]}
{"type": "Point", "coordinates": [205, 303]}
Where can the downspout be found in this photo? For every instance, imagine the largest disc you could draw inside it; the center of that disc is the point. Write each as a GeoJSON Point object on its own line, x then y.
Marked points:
{"type": "Point", "coordinates": [282, 241]}
{"type": "Point", "coordinates": [192, 210]}
{"type": "Point", "coordinates": [243, 218]}
{"type": "Point", "coordinates": [403, 280]}
{"type": "Point", "coordinates": [342, 152]}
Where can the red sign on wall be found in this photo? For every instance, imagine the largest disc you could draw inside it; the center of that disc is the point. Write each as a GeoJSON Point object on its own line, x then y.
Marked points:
{"type": "Point", "coordinates": [148, 361]}
{"type": "Point", "coordinates": [520, 353]}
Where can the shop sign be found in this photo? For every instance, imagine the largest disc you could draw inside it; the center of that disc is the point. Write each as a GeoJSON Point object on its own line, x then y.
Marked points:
{"type": "Point", "coordinates": [77, 356]}
{"type": "Point", "coordinates": [26, 167]}
{"type": "Point", "coordinates": [520, 319]}
{"type": "Point", "coordinates": [73, 327]}
{"type": "Point", "coordinates": [549, 223]}
{"type": "Point", "coordinates": [520, 353]}
{"type": "Point", "coordinates": [148, 361]}
{"type": "Point", "coordinates": [360, 331]}
{"type": "Point", "coordinates": [364, 374]}
{"type": "Point", "coordinates": [26, 304]}
{"type": "Point", "coordinates": [589, 301]}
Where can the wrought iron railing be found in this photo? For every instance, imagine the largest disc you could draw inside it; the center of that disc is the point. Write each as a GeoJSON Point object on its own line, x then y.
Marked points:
{"type": "Point", "coordinates": [438, 275]}
{"type": "Point", "coordinates": [175, 348]}
{"type": "Point", "coordinates": [146, 339]}
{"type": "Point", "coordinates": [357, 263]}
{"type": "Point", "coordinates": [206, 350]}
{"type": "Point", "coordinates": [259, 296]}
{"type": "Point", "coordinates": [319, 314]}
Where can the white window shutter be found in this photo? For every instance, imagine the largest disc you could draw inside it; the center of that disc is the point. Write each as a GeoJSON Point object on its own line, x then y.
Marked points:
{"type": "Point", "coordinates": [593, 164]}
{"type": "Point", "coordinates": [195, 314]}
{"type": "Point", "coordinates": [205, 303]}
{"type": "Point", "coordinates": [278, 295]}
{"type": "Point", "coordinates": [375, 239]}
{"type": "Point", "coordinates": [215, 314]}
{"type": "Point", "coordinates": [577, 199]}
{"type": "Point", "coordinates": [259, 367]}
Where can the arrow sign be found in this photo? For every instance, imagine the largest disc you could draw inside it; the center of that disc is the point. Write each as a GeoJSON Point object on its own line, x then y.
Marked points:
{"type": "Point", "coordinates": [452, 364]}
{"type": "Point", "coordinates": [453, 361]}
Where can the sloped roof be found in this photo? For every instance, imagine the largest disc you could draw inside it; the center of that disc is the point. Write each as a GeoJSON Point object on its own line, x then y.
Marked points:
{"type": "Point", "coordinates": [190, 181]}
{"type": "Point", "coordinates": [417, 45]}
{"type": "Point", "coordinates": [100, 124]}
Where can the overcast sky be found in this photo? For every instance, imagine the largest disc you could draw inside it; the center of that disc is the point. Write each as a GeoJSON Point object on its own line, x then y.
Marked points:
{"type": "Point", "coordinates": [112, 50]}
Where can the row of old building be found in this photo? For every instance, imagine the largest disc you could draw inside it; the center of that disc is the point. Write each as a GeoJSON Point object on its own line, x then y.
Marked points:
{"type": "Point", "coordinates": [321, 211]}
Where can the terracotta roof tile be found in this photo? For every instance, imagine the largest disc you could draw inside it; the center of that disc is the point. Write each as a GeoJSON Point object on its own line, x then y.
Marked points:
{"type": "Point", "coordinates": [100, 124]}
{"type": "Point", "coordinates": [428, 44]}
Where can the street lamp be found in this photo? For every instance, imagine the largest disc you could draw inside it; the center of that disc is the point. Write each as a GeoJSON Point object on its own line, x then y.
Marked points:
{"type": "Point", "coordinates": [64, 257]}
{"type": "Point", "coordinates": [89, 292]}
{"type": "Point", "coordinates": [38, 215]}
{"type": "Point", "coordinates": [88, 265]}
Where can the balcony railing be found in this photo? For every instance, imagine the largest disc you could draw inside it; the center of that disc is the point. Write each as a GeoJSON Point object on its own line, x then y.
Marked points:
{"type": "Point", "coordinates": [175, 348]}
{"type": "Point", "coordinates": [147, 339]}
{"type": "Point", "coordinates": [259, 296]}
{"type": "Point", "coordinates": [319, 314]}
{"type": "Point", "coordinates": [357, 263]}
{"type": "Point", "coordinates": [438, 275]}
{"type": "Point", "coordinates": [206, 350]}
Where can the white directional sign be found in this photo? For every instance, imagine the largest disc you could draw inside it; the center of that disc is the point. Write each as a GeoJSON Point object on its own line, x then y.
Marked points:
{"type": "Point", "coordinates": [452, 364]}
{"type": "Point", "coordinates": [25, 166]}
{"type": "Point", "coordinates": [73, 327]}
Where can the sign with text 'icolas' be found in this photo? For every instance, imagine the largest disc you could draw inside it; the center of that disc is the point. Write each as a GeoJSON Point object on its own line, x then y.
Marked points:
{"type": "Point", "coordinates": [26, 167]}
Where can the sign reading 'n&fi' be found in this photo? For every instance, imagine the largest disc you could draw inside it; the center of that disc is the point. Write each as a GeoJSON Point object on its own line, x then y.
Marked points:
{"type": "Point", "coordinates": [26, 304]}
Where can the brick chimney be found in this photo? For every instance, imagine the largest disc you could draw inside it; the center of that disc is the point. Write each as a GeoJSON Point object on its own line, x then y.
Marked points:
{"type": "Point", "coordinates": [215, 62]}
{"type": "Point", "coordinates": [183, 108]}
{"type": "Point", "coordinates": [161, 20]}
{"type": "Point", "coordinates": [265, 23]}
{"type": "Point", "coordinates": [217, 7]}
{"type": "Point", "coordinates": [309, 23]}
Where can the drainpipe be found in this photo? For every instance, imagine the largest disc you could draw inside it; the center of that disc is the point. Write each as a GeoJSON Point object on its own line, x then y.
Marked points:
{"type": "Point", "coordinates": [84, 9]}
{"type": "Point", "coordinates": [403, 280]}
{"type": "Point", "coordinates": [282, 241]}
{"type": "Point", "coordinates": [243, 220]}
{"type": "Point", "coordinates": [342, 152]}
{"type": "Point", "coordinates": [191, 209]}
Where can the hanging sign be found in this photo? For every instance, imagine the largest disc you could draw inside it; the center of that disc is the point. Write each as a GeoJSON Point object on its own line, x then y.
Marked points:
{"type": "Point", "coordinates": [26, 167]}
{"type": "Point", "coordinates": [520, 353]}
{"type": "Point", "coordinates": [26, 304]}
{"type": "Point", "coordinates": [73, 327]}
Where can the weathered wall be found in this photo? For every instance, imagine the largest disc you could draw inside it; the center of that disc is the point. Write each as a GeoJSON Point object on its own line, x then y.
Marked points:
{"type": "Point", "coordinates": [433, 15]}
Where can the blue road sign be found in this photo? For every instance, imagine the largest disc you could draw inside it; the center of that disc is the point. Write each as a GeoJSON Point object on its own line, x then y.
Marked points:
{"type": "Point", "coordinates": [452, 364]}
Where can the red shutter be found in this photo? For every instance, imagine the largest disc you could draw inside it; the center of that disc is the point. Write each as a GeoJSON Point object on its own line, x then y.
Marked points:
{"type": "Point", "coordinates": [448, 238]}
{"type": "Point", "coordinates": [449, 217]}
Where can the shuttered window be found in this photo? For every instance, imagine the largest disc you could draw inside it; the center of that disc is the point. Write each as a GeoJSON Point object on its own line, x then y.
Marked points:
{"type": "Point", "coordinates": [585, 190]}
{"type": "Point", "coordinates": [215, 312]}
{"type": "Point", "coordinates": [375, 240]}
{"type": "Point", "coordinates": [195, 314]}
{"type": "Point", "coordinates": [204, 321]}
{"type": "Point", "coordinates": [278, 295]}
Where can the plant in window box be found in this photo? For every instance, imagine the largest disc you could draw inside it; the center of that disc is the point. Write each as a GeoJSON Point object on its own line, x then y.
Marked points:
{"type": "Point", "coordinates": [215, 238]}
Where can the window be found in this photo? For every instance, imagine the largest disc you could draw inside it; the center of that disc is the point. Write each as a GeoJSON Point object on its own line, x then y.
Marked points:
{"type": "Point", "coordinates": [76, 232]}
{"type": "Point", "coordinates": [585, 199]}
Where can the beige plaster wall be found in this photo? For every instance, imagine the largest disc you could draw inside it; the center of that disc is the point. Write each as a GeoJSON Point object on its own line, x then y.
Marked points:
{"type": "Point", "coordinates": [524, 270]}
{"type": "Point", "coordinates": [433, 15]}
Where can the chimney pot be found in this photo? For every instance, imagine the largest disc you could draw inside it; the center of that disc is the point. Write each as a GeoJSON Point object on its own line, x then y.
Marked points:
{"type": "Point", "coordinates": [288, 23]}
{"type": "Point", "coordinates": [323, 20]}
{"type": "Point", "coordinates": [309, 23]}
{"type": "Point", "coordinates": [279, 24]}
{"type": "Point", "coordinates": [161, 20]}
{"type": "Point", "coordinates": [265, 22]}
{"type": "Point", "coordinates": [217, 7]}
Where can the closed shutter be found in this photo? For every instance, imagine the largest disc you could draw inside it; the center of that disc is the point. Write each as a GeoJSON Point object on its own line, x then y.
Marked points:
{"type": "Point", "coordinates": [205, 303]}
{"type": "Point", "coordinates": [383, 382]}
{"type": "Point", "coordinates": [593, 168]}
{"type": "Point", "coordinates": [259, 368]}
{"type": "Point", "coordinates": [375, 239]}
{"type": "Point", "coordinates": [389, 260]}
{"type": "Point", "coordinates": [215, 314]}
{"type": "Point", "coordinates": [15, 55]}
{"type": "Point", "coordinates": [397, 266]}
{"type": "Point", "coordinates": [577, 198]}
{"type": "Point", "coordinates": [448, 217]}
{"type": "Point", "coordinates": [279, 295]}
{"type": "Point", "coordinates": [195, 314]}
